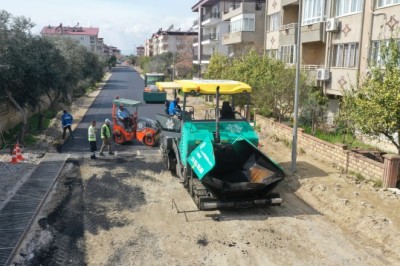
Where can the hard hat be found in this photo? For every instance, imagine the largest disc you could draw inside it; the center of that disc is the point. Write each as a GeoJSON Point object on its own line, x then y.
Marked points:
{"type": "Point", "coordinates": [108, 120]}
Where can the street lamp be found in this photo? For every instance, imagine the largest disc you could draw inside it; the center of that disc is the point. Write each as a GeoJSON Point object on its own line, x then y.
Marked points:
{"type": "Point", "coordinates": [296, 93]}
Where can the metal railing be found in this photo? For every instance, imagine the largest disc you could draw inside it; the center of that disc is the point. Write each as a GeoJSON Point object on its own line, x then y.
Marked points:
{"type": "Point", "coordinates": [211, 36]}
{"type": "Point", "coordinates": [289, 26]}
{"type": "Point", "coordinates": [212, 15]}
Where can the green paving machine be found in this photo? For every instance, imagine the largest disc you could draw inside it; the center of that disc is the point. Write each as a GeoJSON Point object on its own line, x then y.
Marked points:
{"type": "Point", "coordinates": [214, 150]}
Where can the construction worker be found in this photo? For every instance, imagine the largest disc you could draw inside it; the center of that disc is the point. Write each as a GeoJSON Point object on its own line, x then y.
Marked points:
{"type": "Point", "coordinates": [106, 137]}
{"type": "Point", "coordinates": [92, 139]}
{"type": "Point", "coordinates": [125, 117]}
{"type": "Point", "coordinates": [66, 121]}
{"type": "Point", "coordinates": [174, 107]}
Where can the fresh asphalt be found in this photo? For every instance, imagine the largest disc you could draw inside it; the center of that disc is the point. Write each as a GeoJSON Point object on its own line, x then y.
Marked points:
{"type": "Point", "coordinates": [125, 83]}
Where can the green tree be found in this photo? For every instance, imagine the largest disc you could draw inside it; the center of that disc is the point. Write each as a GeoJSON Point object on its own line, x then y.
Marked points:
{"type": "Point", "coordinates": [373, 105]}
{"type": "Point", "coordinates": [272, 82]}
{"type": "Point", "coordinates": [15, 44]}
{"type": "Point", "coordinates": [313, 110]}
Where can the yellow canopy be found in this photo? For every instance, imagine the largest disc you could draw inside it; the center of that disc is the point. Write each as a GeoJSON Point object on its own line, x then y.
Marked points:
{"type": "Point", "coordinates": [168, 85]}
{"type": "Point", "coordinates": [207, 86]}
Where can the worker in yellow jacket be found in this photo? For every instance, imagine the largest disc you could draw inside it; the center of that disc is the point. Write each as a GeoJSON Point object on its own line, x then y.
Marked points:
{"type": "Point", "coordinates": [106, 137]}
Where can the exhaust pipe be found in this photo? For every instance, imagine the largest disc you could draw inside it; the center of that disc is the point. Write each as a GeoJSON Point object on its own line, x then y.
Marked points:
{"type": "Point", "coordinates": [217, 138]}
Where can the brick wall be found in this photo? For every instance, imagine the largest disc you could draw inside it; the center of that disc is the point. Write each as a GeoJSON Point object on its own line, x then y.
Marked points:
{"type": "Point", "coordinates": [337, 154]}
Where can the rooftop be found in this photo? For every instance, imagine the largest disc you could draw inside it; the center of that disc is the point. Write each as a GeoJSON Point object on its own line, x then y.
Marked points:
{"type": "Point", "coordinates": [76, 30]}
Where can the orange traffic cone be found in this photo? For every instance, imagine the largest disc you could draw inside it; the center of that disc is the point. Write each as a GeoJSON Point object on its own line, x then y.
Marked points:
{"type": "Point", "coordinates": [14, 159]}
{"type": "Point", "coordinates": [18, 152]}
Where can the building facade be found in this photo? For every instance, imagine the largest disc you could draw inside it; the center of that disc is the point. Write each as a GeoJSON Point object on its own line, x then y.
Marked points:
{"type": "Point", "coordinates": [164, 41]}
{"type": "Point", "coordinates": [88, 37]}
{"type": "Point", "coordinates": [140, 50]}
{"type": "Point", "coordinates": [340, 39]}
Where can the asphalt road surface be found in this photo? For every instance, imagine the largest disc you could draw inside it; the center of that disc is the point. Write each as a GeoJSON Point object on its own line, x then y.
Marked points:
{"type": "Point", "coordinates": [125, 83]}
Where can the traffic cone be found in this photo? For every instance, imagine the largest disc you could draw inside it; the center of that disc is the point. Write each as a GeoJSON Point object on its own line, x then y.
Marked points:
{"type": "Point", "coordinates": [14, 159]}
{"type": "Point", "coordinates": [18, 152]}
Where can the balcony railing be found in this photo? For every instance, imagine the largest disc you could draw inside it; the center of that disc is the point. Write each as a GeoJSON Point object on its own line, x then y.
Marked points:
{"type": "Point", "coordinates": [195, 23]}
{"type": "Point", "coordinates": [210, 37]}
{"type": "Point", "coordinates": [203, 57]}
{"type": "Point", "coordinates": [212, 15]}
{"type": "Point", "coordinates": [289, 26]}
{"type": "Point", "coordinates": [307, 67]}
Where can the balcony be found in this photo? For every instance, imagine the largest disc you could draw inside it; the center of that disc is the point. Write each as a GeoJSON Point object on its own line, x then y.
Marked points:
{"type": "Point", "coordinates": [195, 24]}
{"type": "Point", "coordinates": [210, 37]}
{"type": "Point", "coordinates": [205, 59]}
{"type": "Point", "coordinates": [211, 19]}
{"type": "Point", "coordinates": [238, 37]}
{"type": "Point", "coordinates": [288, 34]}
{"type": "Point", "coordinates": [243, 8]}
{"type": "Point", "coordinates": [289, 2]}
{"type": "Point", "coordinates": [313, 32]}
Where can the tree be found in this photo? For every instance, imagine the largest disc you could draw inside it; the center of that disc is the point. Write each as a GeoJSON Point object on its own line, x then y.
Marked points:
{"type": "Point", "coordinates": [313, 109]}
{"type": "Point", "coordinates": [272, 82]}
{"type": "Point", "coordinates": [15, 41]}
{"type": "Point", "coordinates": [373, 105]}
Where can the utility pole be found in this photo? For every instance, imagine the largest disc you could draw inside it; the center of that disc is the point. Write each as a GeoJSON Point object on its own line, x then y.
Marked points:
{"type": "Point", "coordinates": [296, 93]}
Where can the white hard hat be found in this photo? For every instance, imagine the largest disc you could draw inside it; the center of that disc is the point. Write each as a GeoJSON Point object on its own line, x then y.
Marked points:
{"type": "Point", "coordinates": [108, 120]}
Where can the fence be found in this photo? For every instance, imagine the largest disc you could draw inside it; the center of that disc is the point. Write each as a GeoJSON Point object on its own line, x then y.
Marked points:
{"type": "Point", "coordinates": [338, 154]}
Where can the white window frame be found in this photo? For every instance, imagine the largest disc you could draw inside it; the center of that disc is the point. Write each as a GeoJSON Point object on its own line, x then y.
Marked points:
{"type": "Point", "coordinates": [385, 3]}
{"type": "Point", "coordinates": [288, 54]}
{"type": "Point", "coordinates": [242, 23]}
{"type": "Point", "coordinates": [346, 55]}
{"type": "Point", "coordinates": [274, 21]}
{"type": "Point", "coordinates": [375, 56]}
{"type": "Point", "coordinates": [273, 53]}
{"type": "Point", "coordinates": [346, 7]}
{"type": "Point", "coordinates": [313, 11]}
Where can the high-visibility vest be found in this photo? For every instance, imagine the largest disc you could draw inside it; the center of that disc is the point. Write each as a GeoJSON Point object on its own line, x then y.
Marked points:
{"type": "Point", "coordinates": [91, 134]}
{"type": "Point", "coordinates": [106, 130]}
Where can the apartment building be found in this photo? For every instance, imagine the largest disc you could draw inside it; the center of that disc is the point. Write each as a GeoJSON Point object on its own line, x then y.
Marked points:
{"type": "Point", "coordinates": [87, 37]}
{"type": "Point", "coordinates": [339, 39]}
{"type": "Point", "coordinates": [140, 50]}
{"type": "Point", "coordinates": [210, 28]}
{"type": "Point", "coordinates": [246, 27]}
{"type": "Point", "coordinates": [148, 47]}
{"type": "Point", "coordinates": [164, 41]}
{"type": "Point", "coordinates": [231, 28]}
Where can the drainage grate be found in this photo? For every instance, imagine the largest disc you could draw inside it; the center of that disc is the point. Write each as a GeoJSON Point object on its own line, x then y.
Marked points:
{"type": "Point", "coordinates": [17, 214]}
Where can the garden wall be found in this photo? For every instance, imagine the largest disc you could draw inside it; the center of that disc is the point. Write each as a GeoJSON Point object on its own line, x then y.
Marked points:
{"type": "Point", "coordinates": [337, 154]}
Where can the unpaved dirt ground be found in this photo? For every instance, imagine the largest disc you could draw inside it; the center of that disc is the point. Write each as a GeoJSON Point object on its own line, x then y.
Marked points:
{"type": "Point", "coordinates": [120, 211]}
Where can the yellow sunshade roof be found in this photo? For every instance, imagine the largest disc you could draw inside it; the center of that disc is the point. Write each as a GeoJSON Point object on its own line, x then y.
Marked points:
{"type": "Point", "coordinates": [207, 86]}
{"type": "Point", "coordinates": [168, 85]}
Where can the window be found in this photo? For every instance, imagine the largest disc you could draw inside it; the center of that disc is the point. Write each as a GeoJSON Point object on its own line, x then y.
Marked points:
{"type": "Point", "coordinates": [313, 11]}
{"type": "Point", "coordinates": [273, 53]}
{"type": "Point", "coordinates": [234, 5]}
{"type": "Point", "coordinates": [382, 3]}
{"type": "Point", "coordinates": [288, 54]}
{"type": "Point", "coordinates": [376, 53]}
{"type": "Point", "coordinates": [243, 24]}
{"type": "Point", "coordinates": [344, 7]}
{"type": "Point", "coordinates": [345, 55]}
{"type": "Point", "coordinates": [274, 21]}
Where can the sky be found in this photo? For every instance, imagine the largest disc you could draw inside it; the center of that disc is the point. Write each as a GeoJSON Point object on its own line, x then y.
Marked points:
{"type": "Point", "coordinates": [125, 24]}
